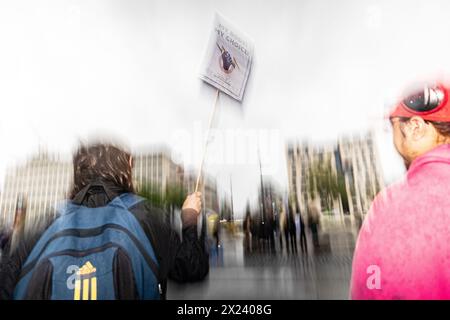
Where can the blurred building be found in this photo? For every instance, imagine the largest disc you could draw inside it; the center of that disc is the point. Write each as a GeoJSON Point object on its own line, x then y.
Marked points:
{"type": "Point", "coordinates": [155, 168]}
{"type": "Point", "coordinates": [344, 176]}
{"type": "Point", "coordinates": [45, 179]}
{"type": "Point", "coordinates": [42, 181]}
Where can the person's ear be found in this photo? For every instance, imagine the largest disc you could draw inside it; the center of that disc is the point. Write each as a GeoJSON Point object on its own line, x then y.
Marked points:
{"type": "Point", "coordinates": [131, 161]}
{"type": "Point", "coordinates": [416, 128]}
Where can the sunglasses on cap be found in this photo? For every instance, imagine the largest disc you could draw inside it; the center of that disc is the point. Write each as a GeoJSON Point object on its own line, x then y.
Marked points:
{"type": "Point", "coordinates": [428, 99]}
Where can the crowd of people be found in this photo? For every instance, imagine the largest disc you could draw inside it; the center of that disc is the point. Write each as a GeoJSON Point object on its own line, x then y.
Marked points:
{"type": "Point", "coordinates": [272, 230]}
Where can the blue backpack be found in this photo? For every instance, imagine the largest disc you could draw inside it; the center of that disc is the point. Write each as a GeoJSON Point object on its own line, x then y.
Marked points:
{"type": "Point", "coordinates": [79, 250]}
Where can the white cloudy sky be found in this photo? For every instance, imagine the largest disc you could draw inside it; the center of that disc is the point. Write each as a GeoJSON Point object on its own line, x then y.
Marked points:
{"type": "Point", "coordinates": [72, 69]}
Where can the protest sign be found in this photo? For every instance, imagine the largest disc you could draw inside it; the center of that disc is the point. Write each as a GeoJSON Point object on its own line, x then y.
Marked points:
{"type": "Point", "coordinates": [226, 66]}
{"type": "Point", "coordinates": [228, 59]}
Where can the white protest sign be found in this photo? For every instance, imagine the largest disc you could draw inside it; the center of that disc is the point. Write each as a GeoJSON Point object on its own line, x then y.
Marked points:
{"type": "Point", "coordinates": [228, 59]}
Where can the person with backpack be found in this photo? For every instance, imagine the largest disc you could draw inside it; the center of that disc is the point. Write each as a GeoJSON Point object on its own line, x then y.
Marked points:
{"type": "Point", "coordinates": [105, 242]}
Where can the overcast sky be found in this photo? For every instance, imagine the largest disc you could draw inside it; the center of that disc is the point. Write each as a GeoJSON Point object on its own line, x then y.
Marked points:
{"type": "Point", "coordinates": [73, 69]}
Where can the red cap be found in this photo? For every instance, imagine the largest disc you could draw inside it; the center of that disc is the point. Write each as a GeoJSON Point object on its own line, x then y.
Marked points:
{"type": "Point", "coordinates": [440, 114]}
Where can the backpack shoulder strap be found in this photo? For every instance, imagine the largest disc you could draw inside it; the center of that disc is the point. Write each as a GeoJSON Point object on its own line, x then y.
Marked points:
{"type": "Point", "coordinates": [130, 199]}
{"type": "Point", "coordinates": [81, 195]}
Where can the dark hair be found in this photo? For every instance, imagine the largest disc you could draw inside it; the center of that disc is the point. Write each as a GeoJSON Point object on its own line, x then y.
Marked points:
{"type": "Point", "coordinates": [442, 127]}
{"type": "Point", "coordinates": [101, 163]}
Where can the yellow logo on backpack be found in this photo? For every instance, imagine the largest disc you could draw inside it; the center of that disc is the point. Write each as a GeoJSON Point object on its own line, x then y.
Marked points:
{"type": "Point", "coordinates": [86, 276]}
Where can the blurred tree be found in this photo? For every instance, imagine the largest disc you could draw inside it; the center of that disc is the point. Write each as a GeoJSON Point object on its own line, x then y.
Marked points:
{"type": "Point", "coordinates": [327, 184]}
{"type": "Point", "coordinates": [170, 200]}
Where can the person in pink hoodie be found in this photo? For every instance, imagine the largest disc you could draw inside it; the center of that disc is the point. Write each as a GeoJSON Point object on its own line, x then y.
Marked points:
{"type": "Point", "coordinates": [403, 247]}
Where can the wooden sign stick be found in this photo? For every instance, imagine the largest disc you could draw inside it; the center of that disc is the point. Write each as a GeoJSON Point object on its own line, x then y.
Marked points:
{"type": "Point", "coordinates": [207, 139]}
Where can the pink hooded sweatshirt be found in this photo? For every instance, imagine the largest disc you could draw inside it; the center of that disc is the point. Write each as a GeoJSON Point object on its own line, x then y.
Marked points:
{"type": "Point", "coordinates": [403, 248]}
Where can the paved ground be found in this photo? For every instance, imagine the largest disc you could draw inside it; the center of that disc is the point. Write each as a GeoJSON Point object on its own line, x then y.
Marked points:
{"type": "Point", "coordinates": [319, 274]}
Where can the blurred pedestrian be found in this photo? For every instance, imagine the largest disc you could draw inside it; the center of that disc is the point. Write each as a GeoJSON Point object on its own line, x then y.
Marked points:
{"type": "Point", "coordinates": [213, 228]}
{"type": "Point", "coordinates": [403, 246]}
{"type": "Point", "coordinates": [292, 231]}
{"type": "Point", "coordinates": [247, 228]}
{"type": "Point", "coordinates": [313, 220]}
{"type": "Point", "coordinates": [255, 230]}
{"type": "Point", "coordinates": [18, 232]}
{"type": "Point", "coordinates": [284, 231]}
{"type": "Point", "coordinates": [303, 242]}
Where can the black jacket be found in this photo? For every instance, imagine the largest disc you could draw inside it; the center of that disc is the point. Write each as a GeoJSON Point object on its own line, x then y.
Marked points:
{"type": "Point", "coordinates": [182, 260]}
